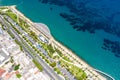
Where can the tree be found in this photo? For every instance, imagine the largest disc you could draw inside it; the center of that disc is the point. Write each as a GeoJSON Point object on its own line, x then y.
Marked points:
{"type": "Point", "coordinates": [16, 67]}
{"type": "Point", "coordinates": [53, 64]}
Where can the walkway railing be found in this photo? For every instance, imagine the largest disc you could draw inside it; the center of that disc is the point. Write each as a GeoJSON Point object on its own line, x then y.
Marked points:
{"type": "Point", "coordinates": [104, 74]}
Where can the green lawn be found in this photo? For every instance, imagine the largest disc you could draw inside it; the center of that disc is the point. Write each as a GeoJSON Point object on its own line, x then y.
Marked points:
{"type": "Point", "coordinates": [67, 59]}
{"type": "Point", "coordinates": [11, 34]}
{"type": "Point", "coordinates": [74, 70]}
{"type": "Point", "coordinates": [38, 65]}
{"type": "Point", "coordinates": [57, 70]}
{"type": "Point", "coordinates": [12, 15]}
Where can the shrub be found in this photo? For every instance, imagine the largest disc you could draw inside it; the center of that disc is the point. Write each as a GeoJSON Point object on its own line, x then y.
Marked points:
{"type": "Point", "coordinates": [18, 75]}
{"type": "Point", "coordinates": [16, 67]}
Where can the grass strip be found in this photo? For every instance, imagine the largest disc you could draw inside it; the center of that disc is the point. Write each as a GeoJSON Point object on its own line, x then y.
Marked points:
{"type": "Point", "coordinates": [38, 65]}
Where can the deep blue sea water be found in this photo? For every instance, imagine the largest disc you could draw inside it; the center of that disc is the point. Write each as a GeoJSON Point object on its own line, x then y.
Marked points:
{"type": "Point", "coordinates": [90, 28]}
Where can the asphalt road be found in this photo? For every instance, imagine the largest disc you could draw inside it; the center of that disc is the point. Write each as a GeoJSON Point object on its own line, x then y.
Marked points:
{"type": "Point", "coordinates": [28, 49]}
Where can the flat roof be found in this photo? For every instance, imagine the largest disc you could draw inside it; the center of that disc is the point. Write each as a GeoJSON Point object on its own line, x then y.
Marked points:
{"type": "Point", "coordinates": [2, 58]}
{"type": "Point", "coordinates": [5, 52]}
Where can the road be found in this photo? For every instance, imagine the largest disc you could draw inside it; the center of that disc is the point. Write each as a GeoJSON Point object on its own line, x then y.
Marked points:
{"type": "Point", "coordinates": [30, 51]}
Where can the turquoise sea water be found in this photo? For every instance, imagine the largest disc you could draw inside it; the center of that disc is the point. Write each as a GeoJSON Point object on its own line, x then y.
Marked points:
{"type": "Point", "coordinates": [87, 46]}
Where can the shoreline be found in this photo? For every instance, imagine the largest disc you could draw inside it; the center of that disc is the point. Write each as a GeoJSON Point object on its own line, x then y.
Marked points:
{"type": "Point", "coordinates": [59, 44]}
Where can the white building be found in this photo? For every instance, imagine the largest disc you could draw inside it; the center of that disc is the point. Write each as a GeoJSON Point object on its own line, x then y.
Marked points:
{"type": "Point", "coordinates": [5, 52]}
{"type": "Point", "coordinates": [2, 58]}
{"type": "Point", "coordinates": [43, 39]}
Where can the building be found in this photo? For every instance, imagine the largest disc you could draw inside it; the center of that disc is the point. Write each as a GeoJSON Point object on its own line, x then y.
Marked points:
{"type": "Point", "coordinates": [1, 58]}
{"type": "Point", "coordinates": [3, 55]}
{"type": "Point", "coordinates": [43, 39]}
{"type": "Point", "coordinates": [1, 31]}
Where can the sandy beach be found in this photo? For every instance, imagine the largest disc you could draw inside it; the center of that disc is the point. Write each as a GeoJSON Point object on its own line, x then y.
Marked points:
{"type": "Point", "coordinates": [76, 60]}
